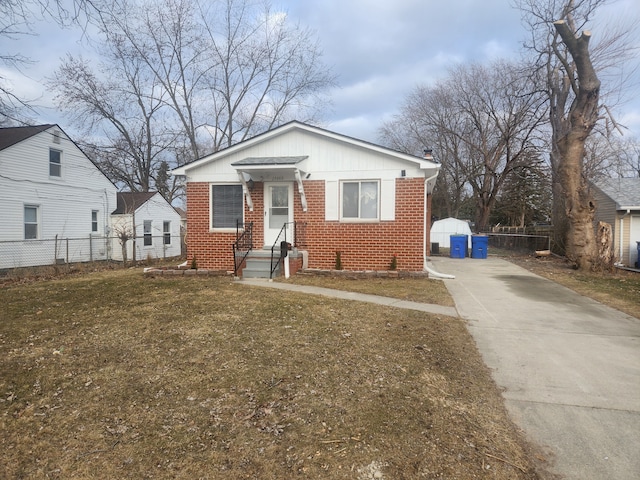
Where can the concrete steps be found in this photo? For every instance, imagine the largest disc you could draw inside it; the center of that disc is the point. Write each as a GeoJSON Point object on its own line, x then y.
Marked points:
{"type": "Point", "coordinates": [258, 264]}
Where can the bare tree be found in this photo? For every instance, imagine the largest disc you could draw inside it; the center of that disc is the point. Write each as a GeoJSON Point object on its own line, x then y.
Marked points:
{"type": "Point", "coordinates": [425, 116]}
{"type": "Point", "coordinates": [263, 72]}
{"type": "Point", "coordinates": [483, 123]}
{"type": "Point", "coordinates": [573, 89]}
{"type": "Point", "coordinates": [125, 105]}
{"type": "Point", "coordinates": [180, 77]}
{"type": "Point", "coordinates": [16, 20]}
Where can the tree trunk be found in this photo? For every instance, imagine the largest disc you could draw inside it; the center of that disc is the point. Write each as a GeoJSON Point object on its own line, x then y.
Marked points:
{"type": "Point", "coordinates": [605, 242]}
{"type": "Point", "coordinates": [579, 207]}
{"type": "Point", "coordinates": [583, 114]}
{"type": "Point", "coordinates": [124, 253]}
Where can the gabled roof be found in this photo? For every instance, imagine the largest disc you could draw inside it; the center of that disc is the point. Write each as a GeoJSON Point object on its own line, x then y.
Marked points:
{"type": "Point", "coordinates": [295, 125]}
{"type": "Point", "coordinates": [12, 135]}
{"type": "Point", "coordinates": [625, 192]}
{"type": "Point", "coordinates": [129, 202]}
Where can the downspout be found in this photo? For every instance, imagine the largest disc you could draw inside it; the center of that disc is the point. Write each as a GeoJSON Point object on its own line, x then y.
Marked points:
{"type": "Point", "coordinates": [425, 259]}
{"type": "Point", "coordinates": [622, 237]}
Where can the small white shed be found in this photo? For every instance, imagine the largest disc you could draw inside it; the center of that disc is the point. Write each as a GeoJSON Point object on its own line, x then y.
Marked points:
{"type": "Point", "coordinates": [441, 230]}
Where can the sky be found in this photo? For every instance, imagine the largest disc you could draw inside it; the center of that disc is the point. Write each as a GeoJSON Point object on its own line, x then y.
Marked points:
{"type": "Point", "coordinates": [378, 49]}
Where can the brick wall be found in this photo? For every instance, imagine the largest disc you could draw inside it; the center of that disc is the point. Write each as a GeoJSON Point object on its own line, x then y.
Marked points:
{"type": "Point", "coordinates": [366, 246]}
{"type": "Point", "coordinates": [362, 246]}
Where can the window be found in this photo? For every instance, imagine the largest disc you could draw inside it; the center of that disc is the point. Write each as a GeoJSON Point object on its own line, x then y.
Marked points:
{"type": "Point", "coordinates": [226, 205]}
{"type": "Point", "coordinates": [360, 200]}
{"type": "Point", "coordinates": [55, 164]}
{"type": "Point", "coordinates": [94, 221]}
{"type": "Point", "coordinates": [148, 240]}
{"type": "Point", "coordinates": [166, 232]}
{"type": "Point", "coordinates": [30, 222]}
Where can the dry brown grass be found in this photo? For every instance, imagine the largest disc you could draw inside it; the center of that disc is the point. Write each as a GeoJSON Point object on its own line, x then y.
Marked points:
{"type": "Point", "coordinates": [113, 375]}
{"type": "Point", "coordinates": [414, 289]}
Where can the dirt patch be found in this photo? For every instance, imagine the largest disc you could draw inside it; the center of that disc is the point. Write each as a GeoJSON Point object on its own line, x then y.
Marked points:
{"type": "Point", "coordinates": [114, 375]}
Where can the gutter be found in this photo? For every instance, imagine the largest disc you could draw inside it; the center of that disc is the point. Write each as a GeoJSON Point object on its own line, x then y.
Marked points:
{"type": "Point", "coordinates": [621, 252]}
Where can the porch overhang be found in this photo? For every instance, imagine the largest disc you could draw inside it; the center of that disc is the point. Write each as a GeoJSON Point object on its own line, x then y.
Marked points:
{"type": "Point", "coordinates": [261, 169]}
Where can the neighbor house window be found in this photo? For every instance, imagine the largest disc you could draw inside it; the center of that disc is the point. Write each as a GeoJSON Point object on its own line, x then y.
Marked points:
{"type": "Point", "coordinates": [30, 222]}
{"type": "Point", "coordinates": [148, 241]}
{"type": "Point", "coordinates": [166, 232]}
{"type": "Point", "coordinates": [360, 200]}
{"type": "Point", "coordinates": [55, 164]}
{"type": "Point", "coordinates": [226, 205]}
{"type": "Point", "coordinates": [94, 221]}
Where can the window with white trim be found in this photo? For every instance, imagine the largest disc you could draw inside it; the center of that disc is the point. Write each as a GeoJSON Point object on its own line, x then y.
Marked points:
{"type": "Point", "coordinates": [148, 239]}
{"type": "Point", "coordinates": [55, 163]}
{"type": "Point", "coordinates": [166, 232]}
{"type": "Point", "coordinates": [360, 200]}
{"type": "Point", "coordinates": [94, 221]}
{"type": "Point", "coordinates": [31, 222]}
{"type": "Point", "coordinates": [227, 206]}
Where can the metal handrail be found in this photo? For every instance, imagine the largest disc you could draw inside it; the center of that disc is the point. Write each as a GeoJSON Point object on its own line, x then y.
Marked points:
{"type": "Point", "coordinates": [243, 242]}
{"type": "Point", "coordinates": [283, 230]}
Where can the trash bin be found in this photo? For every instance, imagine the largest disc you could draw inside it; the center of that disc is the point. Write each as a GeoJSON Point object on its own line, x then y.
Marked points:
{"type": "Point", "coordinates": [435, 248]}
{"type": "Point", "coordinates": [638, 261]}
{"type": "Point", "coordinates": [479, 244]}
{"type": "Point", "coordinates": [458, 246]}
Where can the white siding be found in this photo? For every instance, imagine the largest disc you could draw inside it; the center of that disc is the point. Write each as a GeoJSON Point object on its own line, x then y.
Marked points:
{"type": "Point", "coordinates": [65, 203]}
{"type": "Point", "coordinates": [329, 159]}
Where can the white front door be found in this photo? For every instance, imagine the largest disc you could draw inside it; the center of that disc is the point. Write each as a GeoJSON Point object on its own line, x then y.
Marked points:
{"type": "Point", "coordinates": [278, 211]}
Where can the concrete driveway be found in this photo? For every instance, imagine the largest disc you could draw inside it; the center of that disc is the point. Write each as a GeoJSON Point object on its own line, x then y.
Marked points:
{"type": "Point", "coordinates": [569, 366]}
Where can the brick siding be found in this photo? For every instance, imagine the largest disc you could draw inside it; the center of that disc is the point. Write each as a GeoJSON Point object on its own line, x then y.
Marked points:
{"type": "Point", "coordinates": [362, 246]}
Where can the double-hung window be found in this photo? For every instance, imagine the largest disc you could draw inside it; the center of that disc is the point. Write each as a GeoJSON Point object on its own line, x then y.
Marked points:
{"type": "Point", "coordinates": [166, 232]}
{"type": "Point", "coordinates": [55, 163]}
{"type": "Point", "coordinates": [94, 221]}
{"type": "Point", "coordinates": [30, 222]}
{"type": "Point", "coordinates": [360, 200]}
{"type": "Point", "coordinates": [148, 239]}
{"type": "Point", "coordinates": [227, 207]}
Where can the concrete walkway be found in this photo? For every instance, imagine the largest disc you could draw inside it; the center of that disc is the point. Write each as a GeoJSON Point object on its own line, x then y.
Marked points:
{"type": "Point", "coordinates": [361, 297]}
{"type": "Point", "coordinates": [569, 367]}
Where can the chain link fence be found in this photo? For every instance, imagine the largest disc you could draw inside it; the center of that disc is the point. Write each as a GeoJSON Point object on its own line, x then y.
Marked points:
{"type": "Point", "coordinates": [519, 242]}
{"type": "Point", "coordinates": [59, 251]}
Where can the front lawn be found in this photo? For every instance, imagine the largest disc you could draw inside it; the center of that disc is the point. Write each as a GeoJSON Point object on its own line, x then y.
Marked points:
{"type": "Point", "coordinates": [114, 375]}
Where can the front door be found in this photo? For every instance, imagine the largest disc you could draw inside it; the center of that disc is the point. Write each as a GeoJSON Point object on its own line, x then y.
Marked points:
{"type": "Point", "coordinates": [278, 201]}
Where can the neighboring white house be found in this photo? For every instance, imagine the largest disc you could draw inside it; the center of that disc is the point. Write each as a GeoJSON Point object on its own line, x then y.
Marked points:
{"type": "Point", "coordinates": [55, 203]}
{"type": "Point", "coordinates": [153, 222]}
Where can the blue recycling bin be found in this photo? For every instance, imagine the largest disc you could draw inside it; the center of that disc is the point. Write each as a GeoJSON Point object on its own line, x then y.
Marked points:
{"type": "Point", "coordinates": [458, 246]}
{"type": "Point", "coordinates": [638, 261]}
{"type": "Point", "coordinates": [479, 244]}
